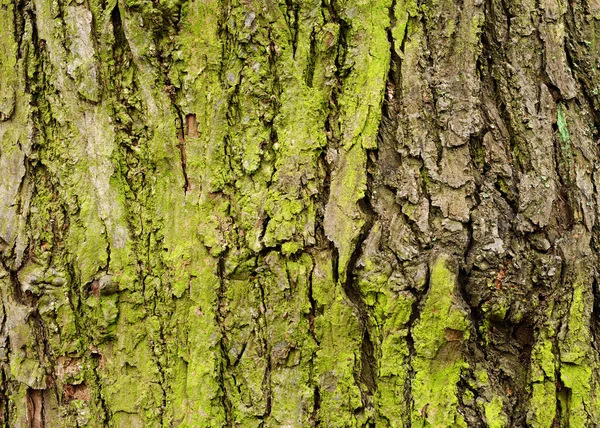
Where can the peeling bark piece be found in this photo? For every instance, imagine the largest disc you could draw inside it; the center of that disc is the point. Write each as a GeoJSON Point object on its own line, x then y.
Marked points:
{"type": "Point", "coordinates": [343, 219]}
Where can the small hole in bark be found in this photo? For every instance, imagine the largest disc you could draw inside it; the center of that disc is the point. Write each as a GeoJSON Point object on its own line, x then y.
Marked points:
{"type": "Point", "coordinates": [191, 126]}
{"type": "Point", "coordinates": [76, 392]}
{"type": "Point", "coordinates": [523, 334]}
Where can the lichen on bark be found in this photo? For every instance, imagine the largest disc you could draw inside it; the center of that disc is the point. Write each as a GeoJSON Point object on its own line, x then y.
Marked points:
{"type": "Point", "coordinates": [299, 213]}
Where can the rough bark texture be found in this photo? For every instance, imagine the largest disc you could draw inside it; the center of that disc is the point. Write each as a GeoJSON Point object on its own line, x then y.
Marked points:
{"type": "Point", "coordinates": [329, 213]}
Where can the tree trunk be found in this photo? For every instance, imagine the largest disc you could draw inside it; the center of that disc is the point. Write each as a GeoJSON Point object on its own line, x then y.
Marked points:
{"type": "Point", "coordinates": [330, 213]}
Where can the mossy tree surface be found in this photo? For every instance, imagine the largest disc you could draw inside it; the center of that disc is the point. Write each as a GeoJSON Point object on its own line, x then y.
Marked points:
{"type": "Point", "coordinates": [299, 213]}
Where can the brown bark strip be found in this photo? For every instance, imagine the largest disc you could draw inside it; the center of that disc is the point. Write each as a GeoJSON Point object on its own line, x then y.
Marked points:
{"type": "Point", "coordinates": [35, 408]}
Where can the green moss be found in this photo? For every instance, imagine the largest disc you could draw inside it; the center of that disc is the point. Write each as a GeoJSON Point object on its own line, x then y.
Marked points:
{"type": "Point", "coordinates": [482, 378]}
{"type": "Point", "coordinates": [289, 248]}
{"type": "Point", "coordinates": [495, 310]}
{"type": "Point", "coordinates": [393, 374]}
{"type": "Point", "coordinates": [395, 313]}
{"type": "Point", "coordinates": [403, 10]}
{"type": "Point", "coordinates": [343, 219]}
{"type": "Point", "coordinates": [543, 360]}
{"type": "Point", "coordinates": [337, 358]}
{"type": "Point", "coordinates": [578, 380]}
{"type": "Point", "coordinates": [578, 340]}
{"type": "Point", "coordinates": [438, 341]}
{"type": "Point", "coordinates": [336, 362]}
{"type": "Point", "coordinates": [542, 407]}
{"type": "Point", "coordinates": [441, 310]}
{"type": "Point", "coordinates": [17, 399]}
{"type": "Point", "coordinates": [468, 397]}
{"type": "Point", "coordinates": [575, 345]}
{"type": "Point", "coordinates": [286, 293]}
{"type": "Point", "coordinates": [564, 137]}
{"type": "Point", "coordinates": [198, 394]}
{"type": "Point", "coordinates": [494, 415]}
{"type": "Point", "coordinates": [8, 61]}
{"type": "Point", "coordinates": [359, 105]}
{"type": "Point", "coordinates": [368, 56]}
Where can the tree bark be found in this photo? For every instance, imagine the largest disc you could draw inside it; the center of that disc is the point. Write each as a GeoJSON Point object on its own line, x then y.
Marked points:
{"type": "Point", "coordinates": [328, 213]}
